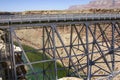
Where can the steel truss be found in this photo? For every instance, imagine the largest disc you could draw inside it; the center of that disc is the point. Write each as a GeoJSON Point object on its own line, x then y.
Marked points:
{"type": "Point", "coordinates": [92, 51]}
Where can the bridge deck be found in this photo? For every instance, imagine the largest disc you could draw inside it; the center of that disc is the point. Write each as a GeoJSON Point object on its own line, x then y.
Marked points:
{"type": "Point", "coordinates": [56, 17]}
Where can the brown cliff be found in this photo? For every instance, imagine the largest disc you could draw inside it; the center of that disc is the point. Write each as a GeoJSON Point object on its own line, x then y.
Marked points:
{"type": "Point", "coordinates": [98, 4]}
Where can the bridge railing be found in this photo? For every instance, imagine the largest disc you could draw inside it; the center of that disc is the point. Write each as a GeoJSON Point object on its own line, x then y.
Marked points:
{"type": "Point", "coordinates": [48, 17]}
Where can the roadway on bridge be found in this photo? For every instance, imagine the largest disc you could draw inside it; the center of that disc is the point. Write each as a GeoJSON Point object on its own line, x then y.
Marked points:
{"type": "Point", "coordinates": [56, 17]}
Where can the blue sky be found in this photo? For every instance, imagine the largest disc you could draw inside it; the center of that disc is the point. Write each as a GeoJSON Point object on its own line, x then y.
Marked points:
{"type": "Point", "coordinates": [23, 5]}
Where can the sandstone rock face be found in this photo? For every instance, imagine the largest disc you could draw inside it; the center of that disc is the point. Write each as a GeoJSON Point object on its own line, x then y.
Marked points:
{"type": "Point", "coordinates": [98, 4]}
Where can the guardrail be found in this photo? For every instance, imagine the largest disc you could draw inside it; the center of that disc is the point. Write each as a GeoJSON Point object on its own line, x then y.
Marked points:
{"type": "Point", "coordinates": [56, 17]}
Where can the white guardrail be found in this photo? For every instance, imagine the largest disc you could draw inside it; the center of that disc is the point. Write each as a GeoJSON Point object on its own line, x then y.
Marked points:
{"type": "Point", "coordinates": [56, 17]}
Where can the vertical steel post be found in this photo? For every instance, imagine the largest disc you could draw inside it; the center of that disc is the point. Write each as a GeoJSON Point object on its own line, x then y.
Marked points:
{"type": "Point", "coordinates": [43, 39]}
{"type": "Point", "coordinates": [112, 47]}
{"type": "Point", "coordinates": [7, 50]}
{"type": "Point", "coordinates": [70, 49]}
{"type": "Point", "coordinates": [87, 52]}
{"type": "Point", "coordinates": [54, 49]}
{"type": "Point", "coordinates": [12, 53]}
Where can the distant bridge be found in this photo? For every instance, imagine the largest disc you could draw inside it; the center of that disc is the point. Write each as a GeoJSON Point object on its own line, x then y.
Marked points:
{"type": "Point", "coordinates": [92, 49]}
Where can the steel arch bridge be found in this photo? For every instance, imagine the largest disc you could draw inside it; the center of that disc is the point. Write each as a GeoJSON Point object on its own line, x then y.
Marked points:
{"type": "Point", "coordinates": [91, 50]}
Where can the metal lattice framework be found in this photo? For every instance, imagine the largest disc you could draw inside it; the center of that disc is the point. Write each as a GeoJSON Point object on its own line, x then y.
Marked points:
{"type": "Point", "coordinates": [92, 50]}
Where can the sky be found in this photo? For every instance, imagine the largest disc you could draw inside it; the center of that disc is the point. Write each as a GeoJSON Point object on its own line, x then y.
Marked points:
{"type": "Point", "coordinates": [25, 5]}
